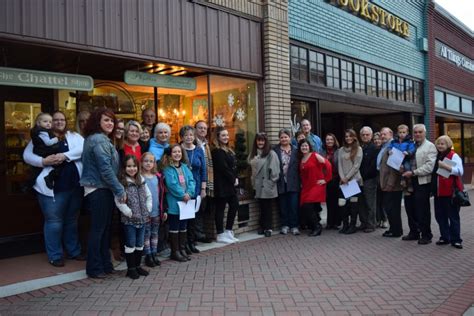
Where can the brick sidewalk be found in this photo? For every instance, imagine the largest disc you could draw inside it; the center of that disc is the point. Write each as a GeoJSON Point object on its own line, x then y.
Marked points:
{"type": "Point", "coordinates": [360, 274]}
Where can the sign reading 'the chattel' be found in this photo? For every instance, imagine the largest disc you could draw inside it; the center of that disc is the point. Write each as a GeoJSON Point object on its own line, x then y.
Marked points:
{"type": "Point", "coordinates": [155, 80]}
{"type": "Point", "coordinates": [43, 79]}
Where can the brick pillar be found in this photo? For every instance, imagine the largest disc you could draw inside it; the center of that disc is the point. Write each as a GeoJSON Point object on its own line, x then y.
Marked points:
{"type": "Point", "coordinates": [276, 63]}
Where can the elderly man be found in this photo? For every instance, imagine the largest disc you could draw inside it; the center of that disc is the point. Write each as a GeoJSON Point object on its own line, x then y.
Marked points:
{"type": "Point", "coordinates": [368, 171]}
{"type": "Point", "coordinates": [313, 139]}
{"type": "Point", "coordinates": [417, 205]}
{"type": "Point", "coordinates": [149, 120]}
{"type": "Point", "coordinates": [390, 184]}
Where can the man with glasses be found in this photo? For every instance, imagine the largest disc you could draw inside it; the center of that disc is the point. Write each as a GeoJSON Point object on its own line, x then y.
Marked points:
{"type": "Point", "coordinates": [368, 171]}
{"type": "Point", "coordinates": [417, 205]}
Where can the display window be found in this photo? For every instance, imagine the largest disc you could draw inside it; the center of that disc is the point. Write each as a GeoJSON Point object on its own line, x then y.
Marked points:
{"type": "Point", "coordinates": [468, 142]}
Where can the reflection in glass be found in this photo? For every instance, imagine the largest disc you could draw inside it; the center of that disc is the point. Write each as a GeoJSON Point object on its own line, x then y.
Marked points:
{"type": "Point", "coordinates": [468, 143]}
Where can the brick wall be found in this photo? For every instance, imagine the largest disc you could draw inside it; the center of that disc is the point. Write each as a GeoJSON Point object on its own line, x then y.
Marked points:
{"type": "Point", "coordinates": [324, 25]}
{"type": "Point", "coordinates": [251, 7]}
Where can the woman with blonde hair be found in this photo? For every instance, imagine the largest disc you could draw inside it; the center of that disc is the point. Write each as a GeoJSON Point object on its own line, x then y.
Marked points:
{"type": "Point", "coordinates": [446, 212]}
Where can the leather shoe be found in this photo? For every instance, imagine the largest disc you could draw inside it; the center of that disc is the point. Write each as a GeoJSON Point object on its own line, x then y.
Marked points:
{"type": "Point", "coordinates": [442, 242]}
{"type": "Point", "coordinates": [97, 276]}
{"type": "Point", "coordinates": [423, 241]}
{"type": "Point", "coordinates": [205, 240]}
{"type": "Point", "coordinates": [410, 237]}
{"type": "Point", "coordinates": [57, 263]}
{"type": "Point", "coordinates": [391, 235]}
{"type": "Point", "coordinates": [113, 271]}
{"type": "Point", "coordinates": [457, 245]}
{"type": "Point", "coordinates": [369, 230]}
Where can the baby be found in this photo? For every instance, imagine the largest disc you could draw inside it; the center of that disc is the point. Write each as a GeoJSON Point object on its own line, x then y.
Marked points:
{"type": "Point", "coordinates": [45, 144]}
{"type": "Point", "coordinates": [406, 145]}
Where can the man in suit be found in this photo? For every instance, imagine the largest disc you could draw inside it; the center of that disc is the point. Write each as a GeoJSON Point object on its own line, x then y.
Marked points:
{"type": "Point", "coordinates": [417, 205]}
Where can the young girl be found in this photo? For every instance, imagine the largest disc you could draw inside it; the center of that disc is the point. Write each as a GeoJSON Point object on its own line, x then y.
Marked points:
{"type": "Point", "coordinates": [155, 183]}
{"type": "Point", "coordinates": [135, 213]}
{"type": "Point", "coordinates": [180, 186]}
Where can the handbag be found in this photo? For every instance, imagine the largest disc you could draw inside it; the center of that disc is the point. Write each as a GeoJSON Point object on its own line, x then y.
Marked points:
{"type": "Point", "coordinates": [460, 197]}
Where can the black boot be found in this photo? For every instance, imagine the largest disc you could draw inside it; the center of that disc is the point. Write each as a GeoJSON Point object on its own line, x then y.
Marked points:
{"type": "Point", "coordinates": [316, 231]}
{"type": "Point", "coordinates": [175, 253]}
{"type": "Point", "coordinates": [154, 257]}
{"type": "Point", "coordinates": [131, 268]}
{"type": "Point", "coordinates": [138, 262]}
{"type": "Point", "coordinates": [345, 225]}
{"type": "Point", "coordinates": [193, 248]}
{"type": "Point", "coordinates": [149, 262]}
{"type": "Point", "coordinates": [315, 219]}
{"type": "Point", "coordinates": [183, 241]}
{"type": "Point", "coordinates": [187, 248]}
{"type": "Point", "coordinates": [352, 226]}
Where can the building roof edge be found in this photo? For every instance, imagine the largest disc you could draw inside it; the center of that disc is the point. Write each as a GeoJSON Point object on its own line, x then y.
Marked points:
{"type": "Point", "coordinates": [453, 19]}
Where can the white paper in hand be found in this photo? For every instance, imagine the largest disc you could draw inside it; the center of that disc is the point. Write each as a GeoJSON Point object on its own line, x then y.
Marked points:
{"type": "Point", "coordinates": [443, 172]}
{"type": "Point", "coordinates": [187, 210]}
{"type": "Point", "coordinates": [395, 159]}
{"type": "Point", "coordinates": [350, 189]}
{"type": "Point", "coordinates": [198, 203]}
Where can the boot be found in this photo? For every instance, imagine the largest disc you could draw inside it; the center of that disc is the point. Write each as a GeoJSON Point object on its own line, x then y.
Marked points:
{"type": "Point", "coordinates": [193, 248]}
{"type": "Point", "coordinates": [187, 248]}
{"type": "Point", "coordinates": [138, 262]}
{"type": "Point", "coordinates": [131, 268]}
{"type": "Point", "coordinates": [149, 262]}
{"type": "Point", "coordinates": [316, 227]}
{"type": "Point", "coordinates": [175, 253]}
{"type": "Point", "coordinates": [345, 225]}
{"type": "Point", "coordinates": [316, 231]}
{"type": "Point", "coordinates": [183, 241]}
{"type": "Point", "coordinates": [154, 257]}
{"type": "Point", "coordinates": [352, 226]}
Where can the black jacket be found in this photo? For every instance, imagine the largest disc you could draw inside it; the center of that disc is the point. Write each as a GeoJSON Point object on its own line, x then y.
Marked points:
{"type": "Point", "coordinates": [225, 172]}
{"type": "Point", "coordinates": [368, 167]}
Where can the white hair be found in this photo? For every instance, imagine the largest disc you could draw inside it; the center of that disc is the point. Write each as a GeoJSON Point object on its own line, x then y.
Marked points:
{"type": "Point", "coordinates": [366, 128]}
{"type": "Point", "coordinates": [420, 126]}
{"type": "Point", "coordinates": [161, 126]}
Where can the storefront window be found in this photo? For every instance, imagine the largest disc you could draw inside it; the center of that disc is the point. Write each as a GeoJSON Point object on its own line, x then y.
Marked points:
{"type": "Point", "coordinates": [400, 89]}
{"type": "Point", "coordinates": [452, 102]}
{"type": "Point", "coordinates": [392, 88]}
{"type": "Point", "coordinates": [316, 67]}
{"type": "Point", "coordinates": [178, 107]}
{"type": "Point", "coordinates": [234, 106]}
{"type": "Point", "coordinates": [371, 82]}
{"type": "Point", "coordinates": [409, 90]}
{"type": "Point", "coordinates": [126, 101]}
{"type": "Point", "coordinates": [453, 130]}
{"type": "Point", "coordinates": [466, 106]}
{"type": "Point", "coordinates": [67, 105]}
{"type": "Point", "coordinates": [439, 99]}
{"type": "Point", "coordinates": [346, 75]}
{"type": "Point", "coordinates": [19, 119]}
{"type": "Point", "coordinates": [382, 84]}
{"type": "Point", "coordinates": [332, 72]}
{"type": "Point", "coordinates": [299, 63]}
{"type": "Point", "coordinates": [299, 110]}
{"type": "Point", "coordinates": [468, 143]}
{"type": "Point", "coordinates": [359, 78]}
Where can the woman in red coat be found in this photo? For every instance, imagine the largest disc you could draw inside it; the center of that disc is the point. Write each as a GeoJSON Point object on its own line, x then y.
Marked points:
{"type": "Point", "coordinates": [315, 173]}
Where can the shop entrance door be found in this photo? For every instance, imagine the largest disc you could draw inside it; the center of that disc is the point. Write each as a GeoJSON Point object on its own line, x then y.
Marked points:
{"type": "Point", "coordinates": [21, 217]}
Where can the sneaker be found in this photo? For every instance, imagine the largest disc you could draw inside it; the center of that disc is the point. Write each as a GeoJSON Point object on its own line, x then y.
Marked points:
{"type": "Point", "coordinates": [284, 230]}
{"type": "Point", "coordinates": [295, 231]}
{"type": "Point", "coordinates": [224, 239]}
{"type": "Point", "coordinates": [230, 234]}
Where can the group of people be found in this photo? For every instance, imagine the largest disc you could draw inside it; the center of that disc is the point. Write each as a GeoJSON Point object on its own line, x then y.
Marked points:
{"type": "Point", "coordinates": [132, 169]}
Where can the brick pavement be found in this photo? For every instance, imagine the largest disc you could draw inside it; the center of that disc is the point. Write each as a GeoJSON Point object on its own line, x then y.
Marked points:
{"type": "Point", "coordinates": [360, 274]}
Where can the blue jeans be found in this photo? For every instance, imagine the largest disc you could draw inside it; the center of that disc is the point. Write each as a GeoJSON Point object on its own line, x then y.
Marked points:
{"type": "Point", "coordinates": [447, 216]}
{"type": "Point", "coordinates": [289, 209]}
{"type": "Point", "coordinates": [134, 236]}
{"type": "Point", "coordinates": [60, 222]}
{"type": "Point", "coordinates": [175, 224]}
{"type": "Point", "coordinates": [100, 205]}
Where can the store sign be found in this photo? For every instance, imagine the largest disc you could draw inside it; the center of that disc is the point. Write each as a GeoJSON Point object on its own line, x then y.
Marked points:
{"type": "Point", "coordinates": [453, 56]}
{"type": "Point", "coordinates": [42, 79]}
{"type": "Point", "coordinates": [154, 80]}
{"type": "Point", "coordinates": [376, 15]}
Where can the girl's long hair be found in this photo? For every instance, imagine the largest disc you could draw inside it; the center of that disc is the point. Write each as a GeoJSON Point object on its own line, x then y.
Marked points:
{"type": "Point", "coordinates": [218, 144]}
{"type": "Point", "coordinates": [355, 144]}
{"type": "Point", "coordinates": [266, 148]}
{"type": "Point", "coordinates": [123, 174]}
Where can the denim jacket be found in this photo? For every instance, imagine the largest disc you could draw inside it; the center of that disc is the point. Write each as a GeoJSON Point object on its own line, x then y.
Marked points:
{"type": "Point", "coordinates": [101, 164]}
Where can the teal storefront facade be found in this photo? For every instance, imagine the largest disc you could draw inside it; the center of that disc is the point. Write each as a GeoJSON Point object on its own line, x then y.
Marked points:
{"type": "Point", "coordinates": [358, 62]}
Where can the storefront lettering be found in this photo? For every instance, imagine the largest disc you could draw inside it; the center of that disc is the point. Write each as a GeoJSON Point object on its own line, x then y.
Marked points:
{"type": "Point", "coordinates": [155, 80]}
{"type": "Point", "coordinates": [43, 79]}
{"type": "Point", "coordinates": [376, 15]}
{"type": "Point", "coordinates": [455, 57]}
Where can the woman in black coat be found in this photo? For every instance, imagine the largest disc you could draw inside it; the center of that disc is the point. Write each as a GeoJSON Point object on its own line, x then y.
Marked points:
{"type": "Point", "coordinates": [225, 182]}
